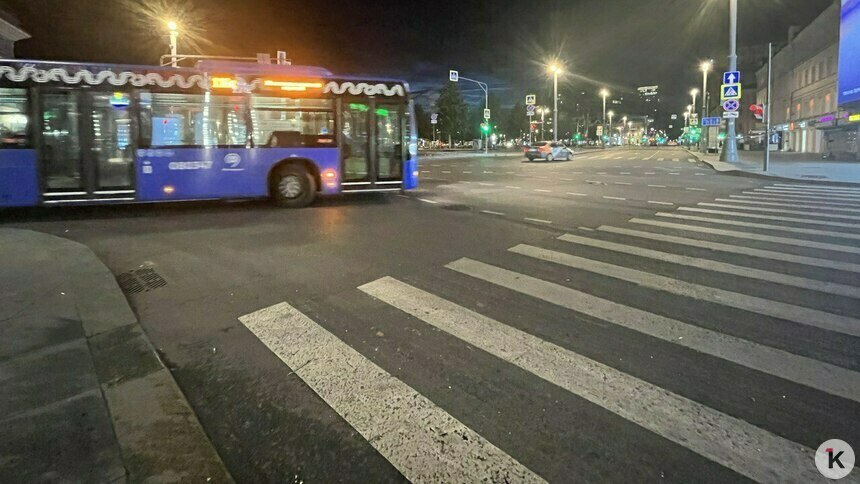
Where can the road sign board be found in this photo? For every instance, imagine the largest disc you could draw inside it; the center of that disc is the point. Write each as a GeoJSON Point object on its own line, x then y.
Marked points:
{"type": "Point", "coordinates": [530, 110]}
{"type": "Point", "coordinates": [453, 76]}
{"type": "Point", "coordinates": [674, 116]}
{"type": "Point", "coordinates": [713, 121]}
{"type": "Point", "coordinates": [599, 130]}
{"type": "Point", "coordinates": [486, 114]}
{"type": "Point", "coordinates": [731, 105]}
{"type": "Point", "coordinates": [731, 77]}
{"type": "Point", "coordinates": [531, 100]}
{"type": "Point", "coordinates": [434, 118]}
{"type": "Point", "coordinates": [730, 91]}
{"type": "Point", "coordinates": [731, 114]}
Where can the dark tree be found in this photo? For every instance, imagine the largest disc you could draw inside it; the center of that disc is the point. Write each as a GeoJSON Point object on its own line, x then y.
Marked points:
{"type": "Point", "coordinates": [453, 113]}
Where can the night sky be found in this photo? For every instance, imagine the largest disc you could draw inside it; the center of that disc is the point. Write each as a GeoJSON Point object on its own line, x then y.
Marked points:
{"type": "Point", "coordinates": [618, 43]}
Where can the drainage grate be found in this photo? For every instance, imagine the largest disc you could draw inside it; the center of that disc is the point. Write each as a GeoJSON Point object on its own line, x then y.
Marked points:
{"type": "Point", "coordinates": [140, 280]}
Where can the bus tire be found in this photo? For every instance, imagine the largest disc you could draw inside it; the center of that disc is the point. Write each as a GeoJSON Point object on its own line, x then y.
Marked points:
{"type": "Point", "coordinates": [292, 187]}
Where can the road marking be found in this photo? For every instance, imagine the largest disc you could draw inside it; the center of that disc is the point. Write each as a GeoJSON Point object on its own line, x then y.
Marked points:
{"type": "Point", "coordinates": [696, 189]}
{"type": "Point", "coordinates": [624, 173]}
{"type": "Point", "coordinates": [490, 212]}
{"type": "Point", "coordinates": [767, 307]}
{"type": "Point", "coordinates": [721, 438]}
{"type": "Point", "coordinates": [776, 204]}
{"type": "Point", "coordinates": [699, 174]}
{"type": "Point", "coordinates": [613, 198]}
{"type": "Point", "coordinates": [587, 229]}
{"type": "Point", "coordinates": [843, 235]}
{"type": "Point", "coordinates": [623, 183]}
{"type": "Point", "coordinates": [543, 190]}
{"type": "Point", "coordinates": [815, 195]}
{"type": "Point", "coordinates": [420, 439]}
{"type": "Point", "coordinates": [488, 171]}
{"type": "Point", "coordinates": [675, 173]}
{"type": "Point", "coordinates": [675, 159]}
{"type": "Point", "coordinates": [724, 439]}
{"type": "Point", "coordinates": [464, 181]}
{"type": "Point", "coordinates": [661, 159]}
{"type": "Point", "coordinates": [809, 244]}
{"type": "Point", "coordinates": [425, 171]}
{"type": "Point", "coordinates": [780, 199]}
{"type": "Point", "coordinates": [541, 221]}
{"type": "Point", "coordinates": [813, 191]}
{"type": "Point", "coordinates": [487, 184]}
{"type": "Point", "coordinates": [566, 179]}
{"type": "Point", "coordinates": [576, 173]}
{"type": "Point", "coordinates": [772, 217]}
{"type": "Point", "coordinates": [513, 187]}
{"type": "Point", "coordinates": [780, 210]}
{"type": "Point", "coordinates": [657, 186]}
{"type": "Point", "coordinates": [735, 249]}
{"type": "Point", "coordinates": [819, 187]}
{"type": "Point", "coordinates": [650, 173]}
{"type": "Point", "coordinates": [577, 194]}
{"type": "Point", "coordinates": [717, 266]}
{"type": "Point", "coordinates": [509, 173]}
{"type": "Point", "coordinates": [467, 172]}
{"type": "Point", "coordinates": [632, 158]}
{"type": "Point", "coordinates": [660, 203]}
{"type": "Point", "coordinates": [601, 172]}
{"type": "Point", "coordinates": [428, 201]}
{"type": "Point", "coordinates": [619, 157]}
{"type": "Point", "coordinates": [445, 171]}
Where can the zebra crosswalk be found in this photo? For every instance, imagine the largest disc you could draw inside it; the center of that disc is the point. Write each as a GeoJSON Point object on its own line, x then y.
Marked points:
{"type": "Point", "coordinates": [780, 310]}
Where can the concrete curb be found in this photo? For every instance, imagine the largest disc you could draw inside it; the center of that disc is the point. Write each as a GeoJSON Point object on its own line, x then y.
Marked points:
{"type": "Point", "coordinates": [729, 169]}
{"type": "Point", "coordinates": [158, 436]}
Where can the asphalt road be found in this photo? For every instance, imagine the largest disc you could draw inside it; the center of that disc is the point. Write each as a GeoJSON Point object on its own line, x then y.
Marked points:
{"type": "Point", "coordinates": [629, 315]}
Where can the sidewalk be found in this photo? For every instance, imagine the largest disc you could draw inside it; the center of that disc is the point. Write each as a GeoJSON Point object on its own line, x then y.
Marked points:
{"type": "Point", "coordinates": [85, 396]}
{"type": "Point", "coordinates": [807, 167]}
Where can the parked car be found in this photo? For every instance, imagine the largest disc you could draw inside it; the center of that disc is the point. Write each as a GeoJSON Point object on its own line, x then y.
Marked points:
{"type": "Point", "coordinates": [548, 150]}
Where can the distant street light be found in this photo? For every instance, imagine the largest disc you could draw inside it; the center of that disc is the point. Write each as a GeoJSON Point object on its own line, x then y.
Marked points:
{"type": "Point", "coordinates": [555, 69]}
{"type": "Point", "coordinates": [705, 67]}
{"type": "Point", "coordinates": [609, 131]}
{"type": "Point", "coordinates": [694, 93]}
{"type": "Point", "coordinates": [173, 28]}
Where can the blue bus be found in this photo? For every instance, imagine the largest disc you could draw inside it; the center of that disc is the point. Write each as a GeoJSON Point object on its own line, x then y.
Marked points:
{"type": "Point", "coordinates": [94, 133]}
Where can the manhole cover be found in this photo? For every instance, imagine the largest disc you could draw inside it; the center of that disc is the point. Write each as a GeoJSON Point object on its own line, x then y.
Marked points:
{"type": "Point", "coordinates": [140, 280]}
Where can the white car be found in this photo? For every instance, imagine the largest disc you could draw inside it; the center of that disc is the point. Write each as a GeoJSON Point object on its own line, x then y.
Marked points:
{"type": "Point", "coordinates": [549, 151]}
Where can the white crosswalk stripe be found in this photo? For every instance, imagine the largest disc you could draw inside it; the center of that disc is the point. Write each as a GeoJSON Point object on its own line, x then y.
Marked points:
{"type": "Point", "coordinates": [425, 443]}
{"type": "Point", "coordinates": [807, 221]}
{"type": "Point", "coordinates": [736, 249]}
{"type": "Point", "coordinates": [810, 244]}
{"type": "Point", "coordinates": [820, 195]}
{"type": "Point", "coordinates": [775, 309]}
{"type": "Point", "coordinates": [769, 198]}
{"type": "Point", "coordinates": [782, 228]}
{"type": "Point", "coordinates": [791, 196]}
{"type": "Point", "coordinates": [811, 191]}
{"type": "Point", "coordinates": [716, 266]}
{"type": "Point", "coordinates": [834, 188]}
{"type": "Point", "coordinates": [780, 210]}
{"type": "Point", "coordinates": [820, 209]}
{"type": "Point", "coordinates": [724, 439]}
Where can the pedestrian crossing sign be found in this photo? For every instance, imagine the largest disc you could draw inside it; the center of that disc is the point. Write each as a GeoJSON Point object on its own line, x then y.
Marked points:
{"type": "Point", "coordinates": [730, 91]}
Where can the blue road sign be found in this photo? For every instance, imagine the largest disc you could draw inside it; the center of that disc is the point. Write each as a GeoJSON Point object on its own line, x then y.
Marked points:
{"type": "Point", "coordinates": [730, 91]}
{"type": "Point", "coordinates": [711, 121]}
{"type": "Point", "coordinates": [731, 77]}
{"type": "Point", "coordinates": [530, 110]}
{"type": "Point", "coordinates": [453, 75]}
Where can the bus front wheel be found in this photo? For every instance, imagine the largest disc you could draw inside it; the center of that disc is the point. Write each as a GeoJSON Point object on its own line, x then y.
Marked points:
{"type": "Point", "coordinates": [292, 187]}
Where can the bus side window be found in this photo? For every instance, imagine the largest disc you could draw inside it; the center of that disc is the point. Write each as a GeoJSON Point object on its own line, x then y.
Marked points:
{"type": "Point", "coordinates": [13, 118]}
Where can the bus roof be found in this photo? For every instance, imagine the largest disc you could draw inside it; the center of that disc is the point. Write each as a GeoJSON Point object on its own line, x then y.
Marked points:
{"type": "Point", "coordinates": [249, 76]}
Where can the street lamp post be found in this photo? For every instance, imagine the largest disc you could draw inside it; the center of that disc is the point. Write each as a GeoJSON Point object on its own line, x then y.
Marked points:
{"type": "Point", "coordinates": [604, 93]}
{"type": "Point", "coordinates": [609, 131]}
{"type": "Point", "coordinates": [705, 67]}
{"type": "Point", "coordinates": [485, 88]}
{"type": "Point", "coordinates": [730, 147]}
{"type": "Point", "coordinates": [173, 28]}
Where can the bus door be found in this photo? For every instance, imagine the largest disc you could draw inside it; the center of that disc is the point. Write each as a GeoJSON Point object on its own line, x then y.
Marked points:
{"type": "Point", "coordinates": [371, 145]}
{"type": "Point", "coordinates": [86, 145]}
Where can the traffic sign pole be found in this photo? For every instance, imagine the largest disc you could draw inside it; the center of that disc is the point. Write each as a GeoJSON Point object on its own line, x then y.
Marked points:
{"type": "Point", "coordinates": [730, 146]}
{"type": "Point", "coordinates": [767, 107]}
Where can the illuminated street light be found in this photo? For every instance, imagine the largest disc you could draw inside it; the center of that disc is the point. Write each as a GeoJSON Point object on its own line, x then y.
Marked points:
{"type": "Point", "coordinates": [555, 69]}
{"type": "Point", "coordinates": [705, 67]}
{"type": "Point", "coordinates": [609, 131]}
{"type": "Point", "coordinates": [694, 92]}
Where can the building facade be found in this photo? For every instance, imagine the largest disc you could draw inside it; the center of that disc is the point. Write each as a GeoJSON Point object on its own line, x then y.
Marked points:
{"type": "Point", "coordinates": [804, 105]}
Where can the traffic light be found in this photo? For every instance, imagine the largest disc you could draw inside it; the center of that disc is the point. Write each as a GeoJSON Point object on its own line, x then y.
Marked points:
{"type": "Point", "coordinates": [485, 128]}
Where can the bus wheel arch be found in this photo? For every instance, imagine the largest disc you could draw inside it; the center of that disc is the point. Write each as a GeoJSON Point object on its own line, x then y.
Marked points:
{"type": "Point", "coordinates": [294, 182]}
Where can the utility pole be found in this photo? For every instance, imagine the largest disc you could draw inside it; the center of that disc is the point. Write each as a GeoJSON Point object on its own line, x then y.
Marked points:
{"type": "Point", "coordinates": [173, 28]}
{"type": "Point", "coordinates": [555, 105]}
{"type": "Point", "coordinates": [706, 67]}
{"type": "Point", "coordinates": [767, 106]}
{"type": "Point", "coordinates": [730, 148]}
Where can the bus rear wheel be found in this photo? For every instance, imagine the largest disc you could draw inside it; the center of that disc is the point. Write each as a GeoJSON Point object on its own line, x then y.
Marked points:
{"type": "Point", "coordinates": [292, 187]}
